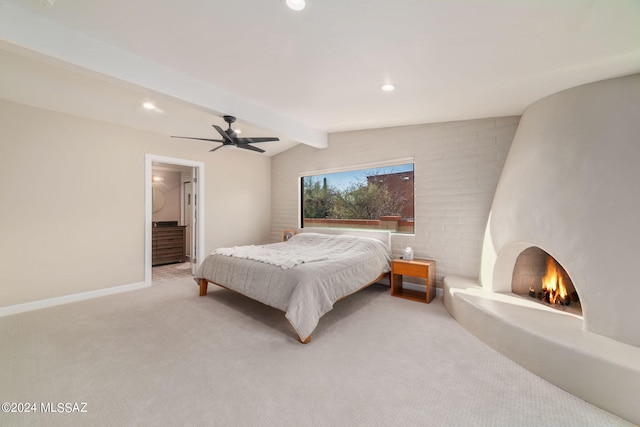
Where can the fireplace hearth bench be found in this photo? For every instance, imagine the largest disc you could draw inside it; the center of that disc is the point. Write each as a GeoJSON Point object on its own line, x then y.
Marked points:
{"type": "Point", "coordinates": [551, 344]}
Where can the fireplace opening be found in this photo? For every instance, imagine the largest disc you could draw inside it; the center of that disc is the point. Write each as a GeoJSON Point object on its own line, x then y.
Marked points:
{"type": "Point", "coordinates": [540, 276]}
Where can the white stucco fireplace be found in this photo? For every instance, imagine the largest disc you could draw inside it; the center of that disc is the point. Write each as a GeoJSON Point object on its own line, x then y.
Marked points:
{"type": "Point", "coordinates": [570, 187]}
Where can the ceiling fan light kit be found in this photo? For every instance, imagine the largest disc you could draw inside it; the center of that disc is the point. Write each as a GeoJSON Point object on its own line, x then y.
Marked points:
{"type": "Point", "coordinates": [231, 140]}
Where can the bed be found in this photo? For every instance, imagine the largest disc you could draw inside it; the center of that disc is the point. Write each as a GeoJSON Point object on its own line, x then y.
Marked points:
{"type": "Point", "coordinates": [303, 276]}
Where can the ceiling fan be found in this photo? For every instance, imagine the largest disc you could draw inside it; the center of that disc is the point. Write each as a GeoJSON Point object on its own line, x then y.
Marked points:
{"type": "Point", "coordinates": [229, 137]}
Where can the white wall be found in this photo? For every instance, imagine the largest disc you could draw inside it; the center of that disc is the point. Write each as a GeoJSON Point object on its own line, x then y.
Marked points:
{"type": "Point", "coordinates": [457, 165]}
{"type": "Point", "coordinates": [570, 186]}
{"type": "Point", "coordinates": [72, 201]}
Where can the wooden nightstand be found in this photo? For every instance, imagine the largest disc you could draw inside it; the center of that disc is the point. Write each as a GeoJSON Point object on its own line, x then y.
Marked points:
{"type": "Point", "coordinates": [423, 268]}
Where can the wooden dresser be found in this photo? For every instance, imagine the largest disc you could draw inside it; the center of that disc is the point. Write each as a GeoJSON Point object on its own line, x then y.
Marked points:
{"type": "Point", "coordinates": [168, 244]}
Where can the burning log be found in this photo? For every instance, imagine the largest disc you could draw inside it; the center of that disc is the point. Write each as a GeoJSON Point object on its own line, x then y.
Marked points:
{"type": "Point", "coordinates": [553, 288]}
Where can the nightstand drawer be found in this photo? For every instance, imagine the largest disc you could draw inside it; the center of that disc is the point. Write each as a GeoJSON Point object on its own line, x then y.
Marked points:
{"type": "Point", "coordinates": [407, 269]}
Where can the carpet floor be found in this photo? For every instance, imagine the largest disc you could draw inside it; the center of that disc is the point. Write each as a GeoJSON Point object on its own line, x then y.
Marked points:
{"type": "Point", "coordinates": [164, 356]}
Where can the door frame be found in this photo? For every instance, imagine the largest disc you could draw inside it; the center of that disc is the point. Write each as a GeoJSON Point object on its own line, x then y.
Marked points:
{"type": "Point", "coordinates": [148, 208]}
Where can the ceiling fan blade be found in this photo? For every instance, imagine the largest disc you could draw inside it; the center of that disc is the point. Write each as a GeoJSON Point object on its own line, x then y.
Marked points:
{"type": "Point", "coordinates": [254, 140]}
{"type": "Point", "coordinates": [250, 147]}
{"type": "Point", "coordinates": [200, 139]}
{"type": "Point", "coordinates": [229, 138]}
{"type": "Point", "coordinates": [224, 134]}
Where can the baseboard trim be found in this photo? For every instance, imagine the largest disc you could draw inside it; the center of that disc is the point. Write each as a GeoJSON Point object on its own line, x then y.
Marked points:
{"type": "Point", "coordinates": [51, 302]}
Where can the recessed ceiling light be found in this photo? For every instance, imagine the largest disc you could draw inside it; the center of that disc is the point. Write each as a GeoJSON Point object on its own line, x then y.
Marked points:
{"type": "Point", "coordinates": [151, 107]}
{"type": "Point", "coordinates": [387, 87]}
{"type": "Point", "coordinates": [296, 5]}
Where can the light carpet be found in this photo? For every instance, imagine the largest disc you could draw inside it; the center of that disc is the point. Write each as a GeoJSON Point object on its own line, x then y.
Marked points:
{"type": "Point", "coordinates": [164, 356]}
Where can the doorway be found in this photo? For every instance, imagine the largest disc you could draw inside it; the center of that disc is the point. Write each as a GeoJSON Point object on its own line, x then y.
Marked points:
{"type": "Point", "coordinates": [174, 196]}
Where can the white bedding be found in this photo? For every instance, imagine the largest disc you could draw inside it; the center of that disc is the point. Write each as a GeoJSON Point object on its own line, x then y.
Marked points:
{"type": "Point", "coordinates": [284, 255]}
{"type": "Point", "coordinates": [322, 270]}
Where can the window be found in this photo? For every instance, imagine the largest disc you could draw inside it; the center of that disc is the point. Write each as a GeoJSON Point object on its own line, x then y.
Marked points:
{"type": "Point", "coordinates": [373, 198]}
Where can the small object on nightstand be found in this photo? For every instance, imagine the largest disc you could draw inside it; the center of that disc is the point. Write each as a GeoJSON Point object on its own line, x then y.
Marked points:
{"type": "Point", "coordinates": [423, 268]}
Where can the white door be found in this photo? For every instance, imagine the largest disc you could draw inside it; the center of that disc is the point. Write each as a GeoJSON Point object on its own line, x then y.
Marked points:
{"type": "Point", "coordinates": [187, 214]}
{"type": "Point", "coordinates": [193, 208]}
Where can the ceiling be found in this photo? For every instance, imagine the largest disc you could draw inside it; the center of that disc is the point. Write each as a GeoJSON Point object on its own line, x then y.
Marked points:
{"type": "Point", "coordinates": [302, 75]}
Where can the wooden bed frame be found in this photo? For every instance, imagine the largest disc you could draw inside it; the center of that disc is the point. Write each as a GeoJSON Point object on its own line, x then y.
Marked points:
{"type": "Point", "coordinates": [204, 285]}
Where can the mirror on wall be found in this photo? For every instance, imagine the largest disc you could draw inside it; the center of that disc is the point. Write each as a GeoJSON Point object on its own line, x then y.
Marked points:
{"type": "Point", "coordinates": [158, 200]}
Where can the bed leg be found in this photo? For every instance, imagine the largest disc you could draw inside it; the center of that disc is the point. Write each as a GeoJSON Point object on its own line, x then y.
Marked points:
{"type": "Point", "coordinates": [204, 284]}
{"type": "Point", "coordinates": [306, 340]}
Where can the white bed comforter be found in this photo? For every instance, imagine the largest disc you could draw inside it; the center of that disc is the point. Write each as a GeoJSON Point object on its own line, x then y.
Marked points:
{"type": "Point", "coordinates": [284, 255]}
{"type": "Point", "coordinates": [303, 277]}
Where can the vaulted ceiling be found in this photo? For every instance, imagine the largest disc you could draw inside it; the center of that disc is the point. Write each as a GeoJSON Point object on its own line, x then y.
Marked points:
{"type": "Point", "coordinates": [301, 75]}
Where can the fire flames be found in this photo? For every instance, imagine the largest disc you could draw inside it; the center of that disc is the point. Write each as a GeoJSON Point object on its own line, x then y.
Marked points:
{"type": "Point", "coordinates": [554, 290]}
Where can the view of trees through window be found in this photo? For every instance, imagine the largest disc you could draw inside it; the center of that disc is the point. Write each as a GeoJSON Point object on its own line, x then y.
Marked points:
{"type": "Point", "coordinates": [378, 198]}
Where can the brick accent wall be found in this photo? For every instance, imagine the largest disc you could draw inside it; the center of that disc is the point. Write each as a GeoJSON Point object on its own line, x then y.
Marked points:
{"type": "Point", "coordinates": [529, 269]}
{"type": "Point", "coordinates": [457, 165]}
